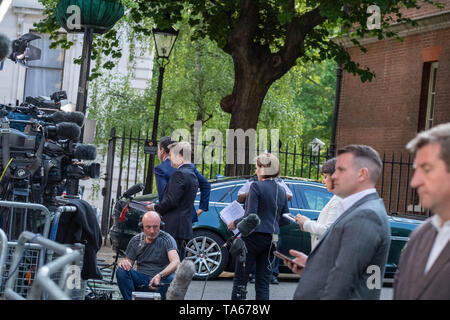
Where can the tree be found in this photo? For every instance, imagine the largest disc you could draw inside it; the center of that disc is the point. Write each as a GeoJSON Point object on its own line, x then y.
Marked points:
{"type": "Point", "coordinates": [266, 38]}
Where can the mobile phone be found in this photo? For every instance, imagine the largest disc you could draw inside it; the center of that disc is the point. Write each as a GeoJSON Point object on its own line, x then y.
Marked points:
{"type": "Point", "coordinates": [282, 256]}
{"type": "Point", "coordinates": [141, 206]}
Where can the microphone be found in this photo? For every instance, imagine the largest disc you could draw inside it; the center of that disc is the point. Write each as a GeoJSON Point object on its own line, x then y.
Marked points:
{"type": "Point", "coordinates": [133, 190]}
{"type": "Point", "coordinates": [63, 131]}
{"type": "Point", "coordinates": [245, 227]}
{"type": "Point", "coordinates": [67, 131]}
{"type": "Point", "coordinates": [5, 47]}
{"type": "Point", "coordinates": [183, 277]}
{"type": "Point", "coordinates": [85, 152]}
{"type": "Point", "coordinates": [61, 116]}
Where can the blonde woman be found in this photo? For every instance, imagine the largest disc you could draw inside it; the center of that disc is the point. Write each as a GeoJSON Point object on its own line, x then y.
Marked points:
{"type": "Point", "coordinates": [268, 200]}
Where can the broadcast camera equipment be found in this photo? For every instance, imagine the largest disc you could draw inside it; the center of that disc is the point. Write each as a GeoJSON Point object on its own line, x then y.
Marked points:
{"type": "Point", "coordinates": [43, 102]}
{"type": "Point", "coordinates": [40, 155]}
{"type": "Point", "coordinates": [23, 51]}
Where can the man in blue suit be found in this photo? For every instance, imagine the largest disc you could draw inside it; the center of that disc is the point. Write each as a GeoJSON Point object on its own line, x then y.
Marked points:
{"type": "Point", "coordinates": [164, 171]}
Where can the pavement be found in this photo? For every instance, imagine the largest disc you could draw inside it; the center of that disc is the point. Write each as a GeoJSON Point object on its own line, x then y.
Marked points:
{"type": "Point", "coordinates": [220, 288]}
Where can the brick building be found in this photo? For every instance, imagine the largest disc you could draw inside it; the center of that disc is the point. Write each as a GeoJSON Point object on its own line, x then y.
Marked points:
{"type": "Point", "coordinates": [410, 93]}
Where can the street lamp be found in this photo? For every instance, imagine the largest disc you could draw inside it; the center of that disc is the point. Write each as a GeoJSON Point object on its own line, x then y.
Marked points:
{"type": "Point", "coordinates": [88, 17]}
{"type": "Point", "coordinates": [164, 42]}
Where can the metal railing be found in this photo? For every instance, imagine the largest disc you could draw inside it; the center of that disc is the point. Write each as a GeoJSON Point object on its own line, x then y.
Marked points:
{"type": "Point", "coordinates": [43, 283]}
{"type": "Point", "coordinates": [127, 149]}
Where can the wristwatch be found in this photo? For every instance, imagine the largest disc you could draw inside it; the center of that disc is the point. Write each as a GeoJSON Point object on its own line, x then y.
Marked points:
{"type": "Point", "coordinates": [161, 275]}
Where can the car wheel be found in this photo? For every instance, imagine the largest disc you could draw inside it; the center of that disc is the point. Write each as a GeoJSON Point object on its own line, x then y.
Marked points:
{"type": "Point", "coordinates": [206, 252]}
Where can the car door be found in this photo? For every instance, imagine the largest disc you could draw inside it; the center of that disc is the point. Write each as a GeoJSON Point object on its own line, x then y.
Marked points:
{"type": "Point", "coordinates": [221, 195]}
{"type": "Point", "coordinates": [291, 235]}
{"type": "Point", "coordinates": [308, 200]}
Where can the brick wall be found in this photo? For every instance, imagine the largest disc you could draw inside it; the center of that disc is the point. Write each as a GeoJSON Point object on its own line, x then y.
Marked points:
{"type": "Point", "coordinates": [384, 113]}
{"type": "Point", "coordinates": [425, 9]}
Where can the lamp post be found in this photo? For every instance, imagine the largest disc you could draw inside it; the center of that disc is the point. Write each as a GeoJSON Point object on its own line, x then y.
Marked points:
{"type": "Point", "coordinates": [164, 42]}
{"type": "Point", "coordinates": [88, 17]}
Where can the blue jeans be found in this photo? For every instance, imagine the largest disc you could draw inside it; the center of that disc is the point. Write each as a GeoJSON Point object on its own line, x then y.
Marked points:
{"type": "Point", "coordinates": [258, 257]}
{"type": "Point", "coordinates": [129, 281]}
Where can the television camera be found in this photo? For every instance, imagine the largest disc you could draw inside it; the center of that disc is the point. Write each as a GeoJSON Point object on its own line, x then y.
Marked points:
{"type": "Point", "coordinates": [40, 152]}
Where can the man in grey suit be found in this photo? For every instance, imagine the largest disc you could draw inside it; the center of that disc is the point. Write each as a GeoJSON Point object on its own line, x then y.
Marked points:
{"type": "Point", "coordinates": [349, 260]}
{"type": "Point", "coordinates": [424, 268]}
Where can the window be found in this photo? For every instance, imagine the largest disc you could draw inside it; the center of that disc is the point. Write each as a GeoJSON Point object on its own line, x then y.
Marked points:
{"type": "Point", "coordinates": [431, 96]}
{"type": "Point", "coordinates": [316, 198]}
{"type": "Point", "coordinates": [226, 194]}
{"type": "Point", "coordinates": [44, 76]}
{"type": "Point", "coordinates": [427, 96]}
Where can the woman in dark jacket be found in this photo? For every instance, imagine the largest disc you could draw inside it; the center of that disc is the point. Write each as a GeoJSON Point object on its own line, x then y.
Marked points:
{"type": "Point", "coordinates": [268, 200]}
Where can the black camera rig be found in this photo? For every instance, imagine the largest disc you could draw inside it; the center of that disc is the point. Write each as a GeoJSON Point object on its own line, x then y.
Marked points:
{"type": "Point", "coordinates": [40, 153]}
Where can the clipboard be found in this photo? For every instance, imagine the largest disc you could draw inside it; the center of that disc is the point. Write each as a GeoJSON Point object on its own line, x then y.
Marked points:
{"type": "Point", "coordinates": [232, 212]}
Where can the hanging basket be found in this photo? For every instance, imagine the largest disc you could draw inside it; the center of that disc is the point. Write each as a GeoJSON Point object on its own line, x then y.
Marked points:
{"type": "Point", "coordinates": [101, 15]}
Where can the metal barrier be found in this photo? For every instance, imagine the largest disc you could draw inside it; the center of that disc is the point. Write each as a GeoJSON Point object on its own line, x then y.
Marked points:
{"type": "Point", "coordinates": [19, 274]}
{"type": "Point", "coordinates": [3, 252]}
{"type": "Point", "coordinates": [43, 283]}
{"type": "Point", "coordinates": [31, 206]}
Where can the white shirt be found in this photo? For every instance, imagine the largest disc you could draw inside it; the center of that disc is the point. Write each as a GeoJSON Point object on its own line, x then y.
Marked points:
{"type": "Point", "coordinates": [441, 240]}
{"type": "Point", "coordinates": [352, 199]}
{"type": "Point", "coordinates": [327, 216]}
{"type": "Point", "coordinates": [246, 187]}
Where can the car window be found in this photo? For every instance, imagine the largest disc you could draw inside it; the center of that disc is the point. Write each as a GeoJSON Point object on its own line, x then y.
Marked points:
{"type": "Point", "coordinates": [294, 202]}
{"type": "Point", "coordinates": [217, 193]}
{"type": "Point", "coordinates": [224, 194]}
{"type": "Point", "coordinates": [316, 198]}
{"type": "Point", "coordinates": [231, 194]}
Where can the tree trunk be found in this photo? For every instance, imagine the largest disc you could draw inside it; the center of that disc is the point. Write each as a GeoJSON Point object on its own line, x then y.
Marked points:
{"type": "Point", "coordinates": [244, 104]}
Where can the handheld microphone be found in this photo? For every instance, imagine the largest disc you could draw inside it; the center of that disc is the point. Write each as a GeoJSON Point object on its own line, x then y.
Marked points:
{"type": "Point", "coordinates": [85, 151]}
{"type": "Point", "coordinates": [245, 227]}
{"type": "Point", "coordinates": [183, 277]}
{"type": "Point", "coordinates": [61, 116]}
{"type": "Point", "coordinates": [5, 47]}
{"type": "Point", "coordinates": [133, 190]}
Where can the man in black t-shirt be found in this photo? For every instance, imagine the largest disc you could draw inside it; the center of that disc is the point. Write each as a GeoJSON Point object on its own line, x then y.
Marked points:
{"type": "Point", "coordinates": [156, 256]}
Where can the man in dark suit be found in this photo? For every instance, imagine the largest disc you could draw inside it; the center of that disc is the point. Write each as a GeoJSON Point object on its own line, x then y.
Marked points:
{"type": "Point", "coordinates": [179, 195]}
{"type": "Point", "coordinates": [349, 260]}
{"type": "Point", "coordinates": [164, 171]}
{"type": "Point", "coordinates": [424, 268]}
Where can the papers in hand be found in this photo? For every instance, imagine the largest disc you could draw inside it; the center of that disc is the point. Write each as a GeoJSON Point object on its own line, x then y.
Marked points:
{"type": "Point", "coordinates": [232, 212]}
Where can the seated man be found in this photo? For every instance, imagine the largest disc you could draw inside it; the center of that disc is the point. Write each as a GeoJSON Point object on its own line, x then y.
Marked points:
{"type": "Point", "coordinates": [156, 254]}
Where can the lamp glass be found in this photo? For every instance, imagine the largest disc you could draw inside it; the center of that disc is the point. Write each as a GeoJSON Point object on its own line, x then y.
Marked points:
{"type": "Point", "coordinates": [164, 41]}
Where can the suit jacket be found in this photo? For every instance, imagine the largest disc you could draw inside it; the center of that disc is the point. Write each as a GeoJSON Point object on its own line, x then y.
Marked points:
{"type": "Point", "coordinates": [176, 205]}
{"type": "Point", "coordinates": [410, 281]}
{"type": "Point", "coordinates": [164, 171]}
{"type": "Point", "coordinates": [337, 268]}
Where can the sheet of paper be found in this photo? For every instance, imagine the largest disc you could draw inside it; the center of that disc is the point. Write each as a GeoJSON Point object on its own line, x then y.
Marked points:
{"type": "Point", "coordinates": [232, 212]}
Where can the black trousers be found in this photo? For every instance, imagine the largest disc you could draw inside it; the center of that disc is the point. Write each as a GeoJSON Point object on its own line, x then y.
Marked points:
{"type": "Point", "coordinates": [259, 259]}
